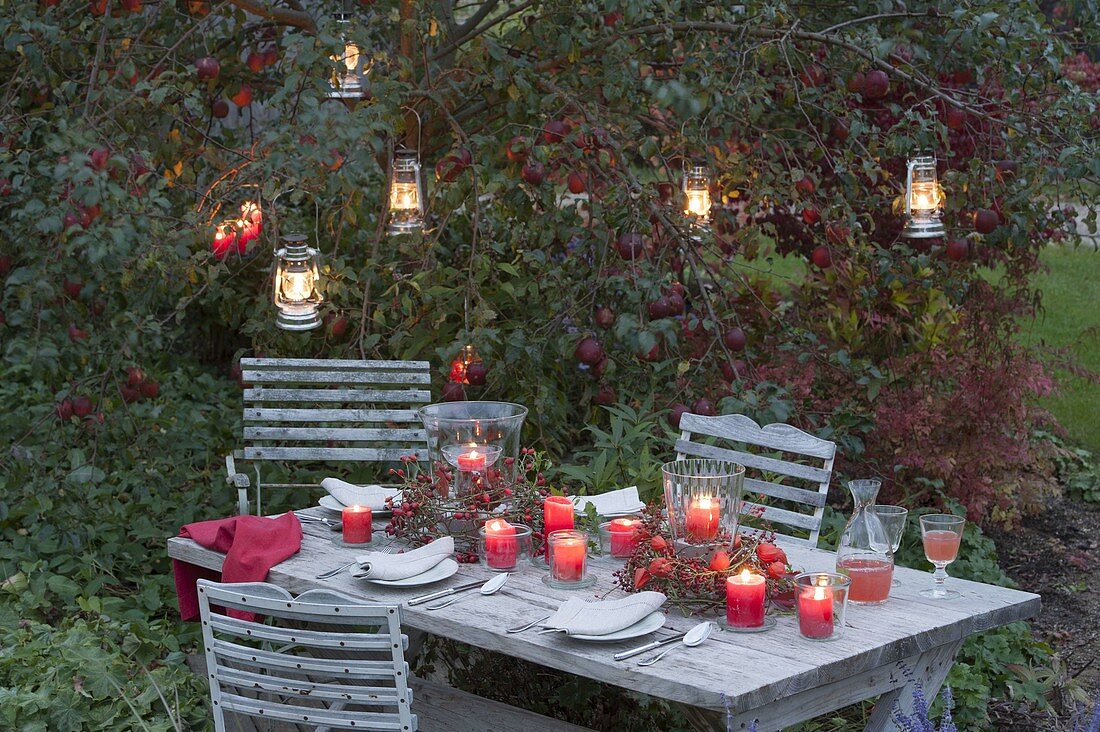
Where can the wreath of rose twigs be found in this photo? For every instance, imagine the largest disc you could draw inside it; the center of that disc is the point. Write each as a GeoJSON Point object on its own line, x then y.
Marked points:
{"type": "Point", "coordinates": [429, 507]}
{"type": "Point", "coordinates": [697, 583]}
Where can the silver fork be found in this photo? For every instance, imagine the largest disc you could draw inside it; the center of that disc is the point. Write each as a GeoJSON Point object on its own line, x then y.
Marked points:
{"type": "Point", "coordinates": [532, 624]}
{"type": "Point", "coordinates": [387, 549]}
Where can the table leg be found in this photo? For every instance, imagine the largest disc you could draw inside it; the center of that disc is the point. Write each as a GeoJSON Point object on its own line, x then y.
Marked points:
{"type": "Point", "coordinates": [929, 671]}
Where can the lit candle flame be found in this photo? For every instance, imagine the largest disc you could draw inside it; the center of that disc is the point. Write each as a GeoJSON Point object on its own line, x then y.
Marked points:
{"type": "Point", "coordinates": [697, 202]}
{"type": "Point", "coordinates": [297, 286]}
{"type": "Point", "coordinates": [819, 593]}
{"type": "Point", "coordinates": [745, 574]}
{"type": "Point", "coordinates": [704, 502]}
{"type": "Point", "coordinates": [404, 197]}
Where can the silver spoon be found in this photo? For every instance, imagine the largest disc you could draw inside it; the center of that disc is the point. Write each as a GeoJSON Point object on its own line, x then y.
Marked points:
{"type": "Point", "coordinates": [692, 638]}
{"type": "Point", "coordinates": [486, 589]}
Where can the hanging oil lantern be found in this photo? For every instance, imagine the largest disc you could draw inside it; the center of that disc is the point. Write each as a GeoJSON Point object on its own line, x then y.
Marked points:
{"type": "Point", "coordinates": [349, 77]}
{"type": "Point", "coordinates": [697, 194]}
{"type": "Point", "coordinates": [460, 366]}
{"type": "Point", "coordinates": [924, 200]}
{"type": "Point", "coordinates": [406, 193]}
{"type": "Point", "coordinates": [296, 280]}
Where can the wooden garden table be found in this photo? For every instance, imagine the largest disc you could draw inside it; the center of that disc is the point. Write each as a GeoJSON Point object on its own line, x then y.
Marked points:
{"type": "Point", "coordinates": [777, 678]}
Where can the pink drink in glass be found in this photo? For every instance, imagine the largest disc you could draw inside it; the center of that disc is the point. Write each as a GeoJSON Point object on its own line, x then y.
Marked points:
{"type": "Point", "coordinates": [941, 545]}
{"type": "Point", "coordinates": [871, 579]}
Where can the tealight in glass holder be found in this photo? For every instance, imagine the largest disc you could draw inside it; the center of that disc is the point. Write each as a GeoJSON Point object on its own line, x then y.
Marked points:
{"type": "Point", "coordinates": [502, 545]}
{"type": "Point", "coordinates": [471, 461]}
{"type": "Point", "coordinates": [618, 537]}
{"type": "Point", "coordinates": [821, 599]}
{"type": "Point", "coordinates": [569, 560]}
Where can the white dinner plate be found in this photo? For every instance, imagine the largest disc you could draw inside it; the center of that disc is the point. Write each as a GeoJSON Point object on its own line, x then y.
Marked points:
{"type": "Point", "coordinates": [331, 504]}
{"type": "Point", "coordinates": [441, 571]}
{"type": "Point", "coordinates": [580, 508]}
{"type": "Point", "coordinates": [645, 626]}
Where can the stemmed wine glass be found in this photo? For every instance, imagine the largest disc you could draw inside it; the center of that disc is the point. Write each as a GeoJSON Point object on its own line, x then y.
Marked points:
{"type": "Point", "coordinates": [892, 519]}
{"type": "Point", "coordinates": [942, 534]}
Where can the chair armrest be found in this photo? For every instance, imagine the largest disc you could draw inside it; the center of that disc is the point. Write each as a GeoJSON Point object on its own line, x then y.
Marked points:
{"type": "Point", "coordinates": [232, 477]}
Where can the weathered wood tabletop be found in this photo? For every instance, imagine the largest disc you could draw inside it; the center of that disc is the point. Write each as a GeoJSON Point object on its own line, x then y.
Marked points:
{"type": "Point", "coordinates": [777, 677]}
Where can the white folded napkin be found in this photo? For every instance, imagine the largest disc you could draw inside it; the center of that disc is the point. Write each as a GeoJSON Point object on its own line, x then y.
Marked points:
{"type": "Point", "coordinates": [359, 495]}
{"type": "Point", "coordinates": [376, 565]}
{"type": "Point", "coordinates": [577, 617]}
{"type": "Point", "coordinates": [624, 500]}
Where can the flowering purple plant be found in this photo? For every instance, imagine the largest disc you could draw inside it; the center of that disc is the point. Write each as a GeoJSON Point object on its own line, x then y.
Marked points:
{"type": "Point", "coordinates": [919, 721]}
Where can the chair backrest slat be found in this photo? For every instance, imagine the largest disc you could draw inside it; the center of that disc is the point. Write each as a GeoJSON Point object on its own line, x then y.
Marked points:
{"type": "Point", "coordinates": [254, 414]}
{"type": "Point", "coordinates": [320, 716]}
{"type": "Point", "coordinates": [296, 673]}
{"type": "Point", "coordinates": [302, 637]}
{"type": "Point", "coordinates": [366, 695]}
{"type": "Point", "coordinates": [768, 470]}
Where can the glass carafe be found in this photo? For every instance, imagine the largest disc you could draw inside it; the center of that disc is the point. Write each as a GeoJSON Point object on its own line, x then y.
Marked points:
{"type": "Point", "coordinates": [863, 552]}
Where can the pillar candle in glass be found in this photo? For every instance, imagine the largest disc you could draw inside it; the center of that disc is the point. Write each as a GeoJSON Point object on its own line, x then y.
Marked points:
{"type": "Point", "coordinates": [623, 536]}
{"type": "Point", "coordinates": [568, 551]}
{"type": "Point", "coordinates": [472, 461]}
{"type": "Point", "coordinates": [501, 546]}
{"type": "Point", "coordinates": [821, 598]}
{"type": "Point", "coordinates": [701, 522]}
{"type": "Point", "coordinates": [357, 524]}
{"type": "Point", "coordinates": [745, 599]}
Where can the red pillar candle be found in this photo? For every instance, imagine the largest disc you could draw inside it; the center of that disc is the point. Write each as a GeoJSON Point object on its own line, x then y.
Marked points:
{"type": "Point", "coordinates": [501, 546]}
{"type": "Point", "coordinates": [356, 520]}
{"type": "Point", "coordinates": [472, 461]}
{"type": "Point", "coordinates": [557, 514]}
{"type": "Point", "coordinates": [568, 555]}
{"type": "Point", "coordinates": [701, 522]}
{"type": "Point", "coordinates": [623, 539]}
{"type": "Point", "coordinates": [815, 611]}
{"type": "Point", "coordinates": [745, 600]}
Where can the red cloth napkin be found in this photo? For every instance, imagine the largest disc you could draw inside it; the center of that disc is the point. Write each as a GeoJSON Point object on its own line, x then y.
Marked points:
{"type": "Point", "coordinates": [252, 545]}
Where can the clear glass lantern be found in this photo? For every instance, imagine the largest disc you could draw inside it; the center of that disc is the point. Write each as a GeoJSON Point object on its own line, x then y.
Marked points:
{"type": "Point", "coordinates": [349, 78]}
{"type": "Point", "coordinates": [697, 194]}
{"type": "Point", "coordinates": [703, 500]}
{"type": "Point", "coordinates": [924, 200]}
{"type": "Point", "coordinates": [296, 280]}
{"type": "Point", "coordinates": [406, 193]}
{"type": "Point", "coordinates": [468, 426]}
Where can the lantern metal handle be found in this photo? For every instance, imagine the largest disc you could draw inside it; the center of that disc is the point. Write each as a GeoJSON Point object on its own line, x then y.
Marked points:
{"type": "Point", "coordinates": [275, 216]}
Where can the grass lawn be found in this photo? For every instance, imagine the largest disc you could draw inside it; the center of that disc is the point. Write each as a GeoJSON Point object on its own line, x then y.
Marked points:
{"type": "Point", "coordinates": [1071, 319]}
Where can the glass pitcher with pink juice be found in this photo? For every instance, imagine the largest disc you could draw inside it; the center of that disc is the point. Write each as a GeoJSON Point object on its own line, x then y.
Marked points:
{"type": "Point", "coordinates": [863, 553]}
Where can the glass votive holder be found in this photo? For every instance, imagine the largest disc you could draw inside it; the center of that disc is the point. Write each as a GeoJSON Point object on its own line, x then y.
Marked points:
{"type": "Point", "coordinates": [746, 603]}
{"type": "Point", "coordinates": [501, 544]}
{"type": "Point", "coordinates": [618, 537]}
{"type": "Point", "coordinates": [568, 560]}
{"type": "Point", "coordinates": [821, 599]}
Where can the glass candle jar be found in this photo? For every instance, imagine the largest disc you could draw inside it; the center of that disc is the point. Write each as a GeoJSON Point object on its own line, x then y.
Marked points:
{"type": "Point", "coordinates": [618, 537]}
{"type": "Point", "coordinates": [821, 599]}
{"type": "Point", "coordinates": [501, 544]}
{"type": "Point", "coordinates": [568, 550]}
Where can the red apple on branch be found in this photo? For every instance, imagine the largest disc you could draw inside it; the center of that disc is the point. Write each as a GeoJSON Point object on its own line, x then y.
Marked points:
{"type": "Point", "coordinates": [588, 351]}
{"type": "Point", "coordinates": [534, 173]}
{"type": "Point", "coordinates": [207, 68]}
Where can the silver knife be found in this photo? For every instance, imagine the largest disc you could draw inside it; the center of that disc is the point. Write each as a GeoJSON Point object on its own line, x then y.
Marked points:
{"type": "Point", "coordinates": [444, 593]}
{"type": "Point", "coordinates": [648, 647]}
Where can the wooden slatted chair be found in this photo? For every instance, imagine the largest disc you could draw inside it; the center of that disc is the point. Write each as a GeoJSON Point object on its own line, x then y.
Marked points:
{"type": "Point", "coordinates": [301, 674]}
{"type": "Point", "coordinates": [798, 509]}
{"type": "Point", "coordinates": [327, 410]}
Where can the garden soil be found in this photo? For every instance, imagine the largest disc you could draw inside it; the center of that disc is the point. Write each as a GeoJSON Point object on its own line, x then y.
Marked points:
{"type": "Point", "coordinates": [1057, 554]}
